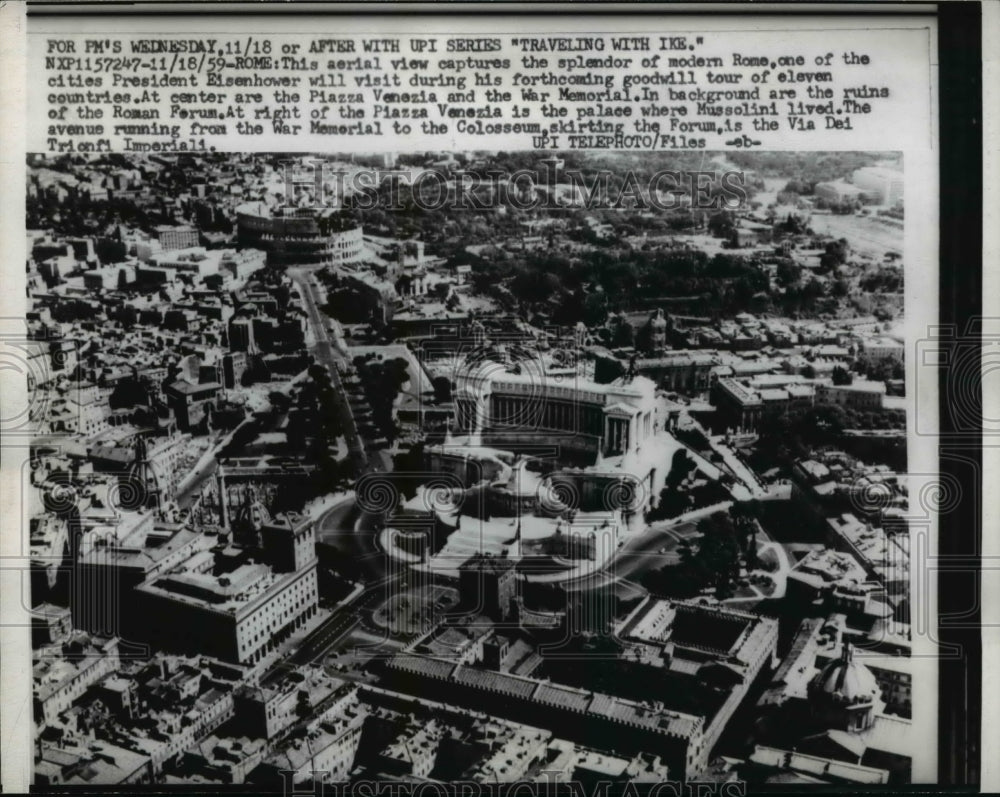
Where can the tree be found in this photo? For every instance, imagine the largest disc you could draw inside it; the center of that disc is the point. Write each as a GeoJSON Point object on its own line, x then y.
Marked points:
{"type": "Point", "coordinates": [713, 561]}
{"type": "Point", "coordinates": [595, 309]}
{"type": "Point", "coordinates": [823, 422]}
{"type": "Point", "coordinates": [744, 517]}
{"type": "Point", "coordinates": [787, 273]}
{"type": "Point", "coordinates": [841, 376]}
{"type": "Point", "coordinates": [835, 254]}
{"type": "Point", "coordinates": [719, 553]}
{"type": "Point", "coordinates": [792, 225]}
{"type": "Point", "coordinates": [798, 187]}
{"type": "Point", "coordinates": [886, 368]}
{"type": "Point", "coordinates": [884, 280]}
{"type": "Point", "coordinates": [721, 224]}
{"type": "Point", "coordinates": [281, 402]}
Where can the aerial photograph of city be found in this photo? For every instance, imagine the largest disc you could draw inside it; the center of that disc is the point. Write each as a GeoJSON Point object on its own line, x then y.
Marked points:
{"type": "Point", "coordinates": [528, 467]}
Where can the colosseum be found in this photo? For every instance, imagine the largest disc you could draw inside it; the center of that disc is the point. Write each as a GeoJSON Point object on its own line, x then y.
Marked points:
{"type": "Point", "coordinates": [299, 236]}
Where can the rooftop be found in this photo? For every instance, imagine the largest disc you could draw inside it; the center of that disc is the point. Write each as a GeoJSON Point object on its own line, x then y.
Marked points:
{"type": "Point", "coordinates": [651, 717]}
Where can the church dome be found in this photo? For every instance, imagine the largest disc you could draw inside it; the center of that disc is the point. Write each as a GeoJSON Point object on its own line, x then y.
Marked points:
{"type": "Point", "coordinates": [846, 681]}
{"type": "Point", "coordinates": [253, 515]}
{"type": "Point", "coordinates": [142, 482]}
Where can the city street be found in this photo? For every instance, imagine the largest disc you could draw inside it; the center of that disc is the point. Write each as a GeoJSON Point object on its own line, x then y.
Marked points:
{"type": "Point", "coordinates": [351, 532]}
{"type": "Point", "coordinates": [319, 643]}
{"type": "Point", "coordinates": [655, 548]}
{"type": "Point", "coordinates": [331, 358]}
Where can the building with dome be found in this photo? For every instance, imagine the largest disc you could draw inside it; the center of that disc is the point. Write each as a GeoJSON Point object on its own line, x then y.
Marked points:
{"type": "Point", "coordinates": [845, 694]}
{"type": "Point", "coordinates": [819, 643]}
{"type": "Point", "coordinates": [251, 517]}
{"type": "Point", "coordinates": [143, 478]}
{"type": "Point", "coordinates": [155, 471]}
{"type": "Point", "coordinates": [825, 712]}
